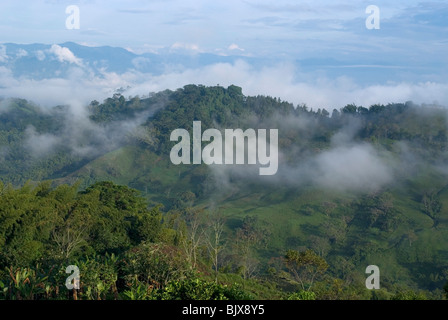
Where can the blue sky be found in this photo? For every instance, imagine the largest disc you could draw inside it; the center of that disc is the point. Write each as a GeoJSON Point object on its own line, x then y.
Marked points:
{"type": "Point", "coordinates": [281, 28]}
{"type": "Point", "coordinates": [410, 48]}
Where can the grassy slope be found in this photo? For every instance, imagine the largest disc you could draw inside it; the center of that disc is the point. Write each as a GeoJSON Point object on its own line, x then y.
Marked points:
{"type": "Point", "coordinates": [284, 211]}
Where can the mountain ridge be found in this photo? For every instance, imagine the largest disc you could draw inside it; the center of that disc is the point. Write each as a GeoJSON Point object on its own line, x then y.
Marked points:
{"type": "Point", "coordinates": [362, 186]}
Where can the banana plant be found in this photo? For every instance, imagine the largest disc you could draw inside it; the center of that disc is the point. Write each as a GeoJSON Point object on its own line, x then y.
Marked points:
{"type": "Point", "coordinates": [3, 290]}
{"type": "Point", "coordinates": [25, 284]}
{"type": "Point", "coordinates": [137, 291]}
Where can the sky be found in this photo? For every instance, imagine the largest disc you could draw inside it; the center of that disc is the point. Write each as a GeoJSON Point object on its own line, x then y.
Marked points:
{"type": "Point", "coordinates": [409, 50]}
{"type": "Point", "coordinates": [315, 52]}
{"type": "Point", "coordinates": [280, 28]}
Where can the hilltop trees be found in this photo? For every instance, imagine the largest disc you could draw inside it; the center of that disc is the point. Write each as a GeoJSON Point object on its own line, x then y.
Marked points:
{"type": "Point", "coordinates": [38, 222]}
{"type": "Point", "coordinates": [305, 267]}
{"type": "Point", "coordinates": [108, 232]}
{"type": "Point", "coordinates": [23, 125]}
{"type": "Point", "coordinates": [140, 248]}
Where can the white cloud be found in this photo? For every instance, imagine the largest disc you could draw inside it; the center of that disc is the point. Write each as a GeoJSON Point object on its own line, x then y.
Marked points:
{"type": "Point", "coordinates": [234, 46]}
{"type": "Point", "coordinates": [64, 54]}
{"type": "Point", "coordinates": [282, 80]}
{"type": "Point", "coordinates": [140, 62]}
{"type": "Point", "coordinates": [351, 168]}
{"type": "Point", "coordinates": [40, 144]}
{"type": "Point", "coordinates": [6, 78]}
{"type": "Point", "coordinates": [80, 86]}
{"type": "Point", "coordinates": [40, 55]}
{"type": "Point", "coordinates": [291, 85]}
{"type": "Point", "coordinates": [185, 46]}
{"type": "Point", "coordinates": [346, 165]}
{"type": "Point", "coordinates": [3, 56]}
{"type": "Point", "coordinates": [21, 53]}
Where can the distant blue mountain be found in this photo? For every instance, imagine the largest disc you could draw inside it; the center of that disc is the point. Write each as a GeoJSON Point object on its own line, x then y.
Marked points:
{"type": "Point", "coordinates": [41, 61]}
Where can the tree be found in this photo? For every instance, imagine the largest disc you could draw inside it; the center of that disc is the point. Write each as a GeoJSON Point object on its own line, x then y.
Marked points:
{"type": "Point", "coordinates": [431, 204]}
{"type": "Point", "coordinates": [192, 235]}
{"type": "Point", "coordinates": [336, 230]}
{"type": "Point", "coordinates": [198, 289]}
{"type": "Point", "coordinates": [411, 236]}
{"type": "Point", "coordinates": [148, 225]}
{"type": "Point", "coordinates": [68, 239]}
{"type": "Point", "coordinates": [214, 241]}
{"type": "Point", "coordinates": [246, 238]}
{"type": "Point", "coordinates": [320, 245]}
{"type": "Point", "coordinates": [335, 114]}
{"type": "Point", "coordinates": [378, 211]}
{"type": "Point", "coordinates": [305, 266]}
{"type": "Point", "coordinates": [445, 290]}
{"type": "Point", "coordinates": [118, 217]}
{"type": "Point", "coordinates": [27, 218]}
{"type": "Point", "coordinates": [302, 295]}
{"type": "Point", "coordinates": [409, 295]}
{"type": "Point", "coordinates": [362, 110]}
{"type": "Point", "coordinates": [376, 108]}
{"type": "Point", "coordinates": [154, 265]}
{"type": "Point", "coordinates": [185, 200]}
{"type": "Point", "coordinates": [350, 109]}
{"type": "Point", "coordinates": [328, 207]}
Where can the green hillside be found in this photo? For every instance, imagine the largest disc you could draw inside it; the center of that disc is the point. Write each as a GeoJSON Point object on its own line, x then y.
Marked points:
{"type": "Point", "coordinates": [359, 186]}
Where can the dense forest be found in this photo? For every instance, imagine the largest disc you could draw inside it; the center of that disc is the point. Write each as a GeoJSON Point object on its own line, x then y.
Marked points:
{"type": "Point", "coordinates": [94, 187]}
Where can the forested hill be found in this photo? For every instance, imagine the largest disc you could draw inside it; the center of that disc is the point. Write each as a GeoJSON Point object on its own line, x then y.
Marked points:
{"type": "Point", "coordinates": [39, 142]}
{"type": "Point", "coordinates": [356, 186]}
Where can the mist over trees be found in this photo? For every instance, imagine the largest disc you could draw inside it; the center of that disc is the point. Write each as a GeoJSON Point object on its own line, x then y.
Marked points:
{"type": "Point", "coordinates": [94, 187]}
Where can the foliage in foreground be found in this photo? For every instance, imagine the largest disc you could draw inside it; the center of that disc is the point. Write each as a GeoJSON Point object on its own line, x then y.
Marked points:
{"type": "Point", "coordinates": [125, 250]}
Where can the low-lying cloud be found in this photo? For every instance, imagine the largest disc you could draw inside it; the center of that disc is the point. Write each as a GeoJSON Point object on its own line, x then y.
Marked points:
{"type": "Point", "coordinates": [354, 168]}
{"type": "Point", "coordinates": [284, 80]}
{"type": "Point", "coordinates": [346, 165]}
{"type": "Point", "coordinates": [64, 54]}
{"type": "Point", "coordinates": [82, 137]}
